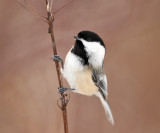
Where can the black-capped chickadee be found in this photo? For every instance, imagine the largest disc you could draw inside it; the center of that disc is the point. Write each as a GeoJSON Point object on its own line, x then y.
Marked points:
{"type": "Point", "coordinates": [84, 68]}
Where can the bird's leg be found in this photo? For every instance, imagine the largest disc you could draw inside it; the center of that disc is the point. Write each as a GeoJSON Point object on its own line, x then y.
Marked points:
{"type": "Point", "coordinates": [57, 58]}
{"type": "Point", "coordinates": [63, 89]}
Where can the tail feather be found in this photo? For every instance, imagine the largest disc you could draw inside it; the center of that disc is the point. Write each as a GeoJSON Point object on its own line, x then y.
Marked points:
{"type": "Point", "coordinates": [106, 108]}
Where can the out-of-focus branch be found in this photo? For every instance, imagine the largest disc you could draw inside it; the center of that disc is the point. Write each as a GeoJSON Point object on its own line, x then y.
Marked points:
{"type": "Point", "coordinates": [62, 7]}
{"type": "Point", "coordinates": [27, 6]}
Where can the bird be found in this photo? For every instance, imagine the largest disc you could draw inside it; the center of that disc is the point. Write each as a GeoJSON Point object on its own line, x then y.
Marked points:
{"type": "Point", "coordinates": [84, 68]}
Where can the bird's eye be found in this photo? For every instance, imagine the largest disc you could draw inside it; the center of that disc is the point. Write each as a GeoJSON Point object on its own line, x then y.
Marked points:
{"type": "Point", "coordinates": [88, 39]}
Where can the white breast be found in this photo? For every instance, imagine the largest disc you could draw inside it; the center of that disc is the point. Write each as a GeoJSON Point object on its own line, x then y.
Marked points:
{"type": "Point", "coordinates": [78, 76]}
{"type": "Point", "coordinates": [72, 66]}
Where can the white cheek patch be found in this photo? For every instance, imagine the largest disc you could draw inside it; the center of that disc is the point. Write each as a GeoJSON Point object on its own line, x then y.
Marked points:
{"type": "Point", "coordinates": [95, 52]}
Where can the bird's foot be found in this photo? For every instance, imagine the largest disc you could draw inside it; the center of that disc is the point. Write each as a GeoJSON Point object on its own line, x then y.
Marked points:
{"type": "Point", "coordinates": [63, 89]}
{"type": "Point", "coordinates": [57, 58]}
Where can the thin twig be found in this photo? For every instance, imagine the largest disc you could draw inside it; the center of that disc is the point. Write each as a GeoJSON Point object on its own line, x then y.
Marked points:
{"type": "Point", "coordinates": [62, 7]}
{"type": "Point", "coordinates": [49, 19]}
{"type": "Point", "coordinates": [33, 13]}
{"type": "Point", "coordinates": [34, 10]}
{"type": "Point", "coordinates": [64, 99]}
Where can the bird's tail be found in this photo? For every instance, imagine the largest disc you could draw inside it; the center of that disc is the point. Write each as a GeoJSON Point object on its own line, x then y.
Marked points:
{"type": "Point", "coordinates": [106, 108]}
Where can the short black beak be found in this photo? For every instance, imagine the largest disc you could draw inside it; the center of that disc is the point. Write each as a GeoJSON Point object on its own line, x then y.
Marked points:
{"type": "Point", "coordinates": [76, 37]}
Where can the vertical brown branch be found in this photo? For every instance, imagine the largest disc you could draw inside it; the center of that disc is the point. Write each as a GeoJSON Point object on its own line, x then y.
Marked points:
{"type": "Point", "coordinates": [50, 18]}
{"type": "Point", "coordinates": [64, 100]}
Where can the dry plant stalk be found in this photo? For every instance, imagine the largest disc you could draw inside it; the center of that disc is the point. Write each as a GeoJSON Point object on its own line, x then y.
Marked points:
{"type": "Point", "coordinates": [50, 19]}
{"type": "Point", "coordinates": [64, 100]}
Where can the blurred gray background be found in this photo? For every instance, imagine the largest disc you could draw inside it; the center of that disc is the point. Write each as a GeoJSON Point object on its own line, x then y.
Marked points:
{"type": "Point", "coordinates": [28, 80]}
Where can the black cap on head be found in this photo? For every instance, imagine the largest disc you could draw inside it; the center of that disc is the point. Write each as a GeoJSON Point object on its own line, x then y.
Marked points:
{"type": "Point", "coordinates": [90, 37]}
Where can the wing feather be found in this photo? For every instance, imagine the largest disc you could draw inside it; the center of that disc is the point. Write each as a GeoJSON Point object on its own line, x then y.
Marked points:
{"type": "Point", "coordinates": [100, 80]}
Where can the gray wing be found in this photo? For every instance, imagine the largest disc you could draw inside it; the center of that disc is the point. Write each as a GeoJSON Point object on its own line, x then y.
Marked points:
{"type": "Point", "coordinates": [100, 80]}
